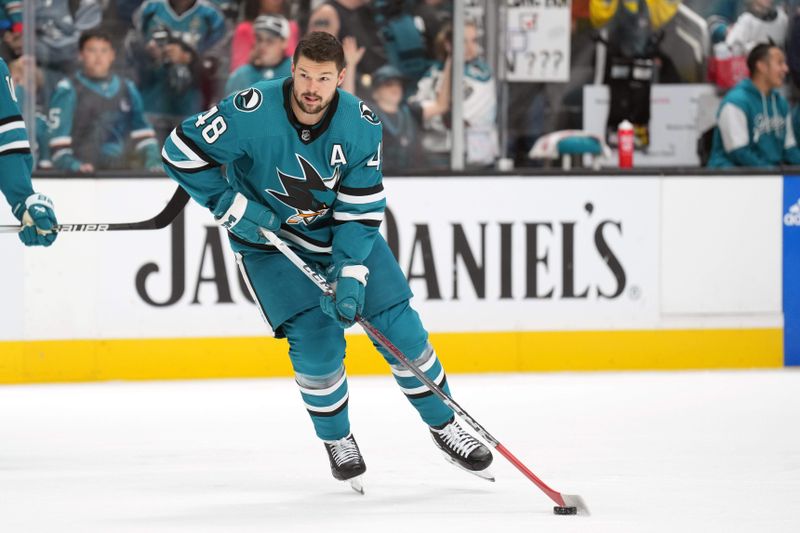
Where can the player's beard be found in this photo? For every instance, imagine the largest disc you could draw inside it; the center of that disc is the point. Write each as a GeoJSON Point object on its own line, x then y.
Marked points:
{"type": "Point", "coordinates": [311, 110]}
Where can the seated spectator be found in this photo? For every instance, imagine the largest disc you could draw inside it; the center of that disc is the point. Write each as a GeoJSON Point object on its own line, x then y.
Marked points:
{"type": "Point", "coordinates": [96, 116]}
{"type": "Point", "coordinates": [268, 58]}
{"type": "Point", "coordinates": [480, 104]}
{"type": "Point", "coordinates": [244, 37]}
{"type": "Point", "coordinates": [171, 37]}
{"type": "Point", "coordinates": [762, 22]}
{"type": "Point", "coordinates": [753, 123]}
{"type": "Point", "coordinates": [403, 121]}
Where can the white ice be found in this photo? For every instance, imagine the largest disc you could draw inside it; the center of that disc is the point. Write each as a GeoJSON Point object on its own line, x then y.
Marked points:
{"type": "Point", "coordinates": [672, 452]}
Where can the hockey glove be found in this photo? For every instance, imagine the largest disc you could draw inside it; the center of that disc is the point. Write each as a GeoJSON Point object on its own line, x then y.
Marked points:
{"type": "Point", "coordinates": [38, 220]}
{"type": "Point", "coordinates": [348, 282]}
{"type": "Point", "coordinates": [244, 218]}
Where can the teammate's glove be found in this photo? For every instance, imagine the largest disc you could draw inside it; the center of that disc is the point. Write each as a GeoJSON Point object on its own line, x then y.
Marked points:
{"type": "Point", "coordinates": [348, 282]}
{"type": "Point", "coordinates": [244, 218]}
{"type": "Point", "coordinates": [38, 220]}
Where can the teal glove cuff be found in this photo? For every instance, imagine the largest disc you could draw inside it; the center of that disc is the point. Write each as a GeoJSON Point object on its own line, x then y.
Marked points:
{"type": "Point", "coordinates": [245, 218]}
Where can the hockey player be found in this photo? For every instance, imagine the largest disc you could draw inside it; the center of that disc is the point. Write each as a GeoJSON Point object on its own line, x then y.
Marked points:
{"type": "Point", "coordinates": [34, 210]}
{"type": "Point", "coordinates": [267, 58]}
{"type": "Point", "coordinates": [303, 159]}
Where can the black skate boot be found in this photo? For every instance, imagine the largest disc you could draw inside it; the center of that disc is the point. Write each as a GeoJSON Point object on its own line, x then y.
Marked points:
{"type": "Point", "coordinates": [346, 461]}
{"type": "Point", "coordinates": [462, 449]}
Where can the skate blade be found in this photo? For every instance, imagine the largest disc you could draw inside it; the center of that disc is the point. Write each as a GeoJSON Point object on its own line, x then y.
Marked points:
{"type": "Point", "coordinates": [483, 474]}
{"type": "Point", "coordinates": [357, 484]}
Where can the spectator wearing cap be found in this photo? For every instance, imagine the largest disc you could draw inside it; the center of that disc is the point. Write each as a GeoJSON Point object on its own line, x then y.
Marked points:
{"type": "Point", "coordinates": [244, 37]}
{"type": "Point", "coordinates": [402, 121]}
{"type": "Point", "coordinates": [268, 58]}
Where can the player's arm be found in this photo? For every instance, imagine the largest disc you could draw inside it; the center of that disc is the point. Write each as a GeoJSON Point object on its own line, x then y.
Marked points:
{"type": "Point", "coordinates": [142, 133]}
{"type": "Point", "coordinates": [357, 216]}
{"type": "Point", "coordinates": [735, 134]}
{"type": "Point", "coordinates": [193, 155]}
{"type": "Point", "coordinates": [34, 210]}
{"type": "Point", "coordinates": [60, 118]}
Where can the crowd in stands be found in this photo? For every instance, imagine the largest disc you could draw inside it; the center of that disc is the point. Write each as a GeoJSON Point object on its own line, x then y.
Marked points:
{"type": "Point", "coordinates": [113, 78]}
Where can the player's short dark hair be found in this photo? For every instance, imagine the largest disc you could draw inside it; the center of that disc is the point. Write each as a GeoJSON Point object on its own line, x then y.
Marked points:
{"type": "Point", "coordinates": [760, 52]}
{"type": "Point", "coordinates": [320, 46]}
{"type": "Point", "coordinates": [94, 34]}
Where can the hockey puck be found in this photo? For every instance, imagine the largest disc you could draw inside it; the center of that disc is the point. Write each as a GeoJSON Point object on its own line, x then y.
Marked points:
{"type": "Point", "coordinates": [565, 510]}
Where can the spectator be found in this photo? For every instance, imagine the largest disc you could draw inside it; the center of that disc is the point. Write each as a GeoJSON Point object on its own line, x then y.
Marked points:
{"type": "Point", "coordinates": [762, 22]}
{"type": "Point", "coordinates": [171, 39]}
{"type": "Point", "coordinates": [95, 116]}
{"type": "Point", "coordinates": [244, 37]}
{"type": "Point", "coordinates": [480, 103]}
{"type": "Point", "coordinates": [351, 18]}
{"type": "Point", "coordinates": [754, 128]}
{"type": "Point", "coordinates": [403, 121]}
{"type": "Point", "coordinates": [268, 58]}
{"type": "Point", "coordinates": [17, 68]}
{"type": "Point", "coordinates": [11, 28]}
{"type": "Point", "coordinates": [59, 24]}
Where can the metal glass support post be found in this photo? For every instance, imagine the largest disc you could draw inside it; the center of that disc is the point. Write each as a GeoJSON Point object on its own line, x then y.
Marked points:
{"type": "Point", "coordinates": [457, 99]}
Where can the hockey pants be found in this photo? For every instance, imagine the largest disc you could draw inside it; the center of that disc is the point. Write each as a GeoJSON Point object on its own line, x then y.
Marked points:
{"type": "Point", "coordinates": [317, 352]}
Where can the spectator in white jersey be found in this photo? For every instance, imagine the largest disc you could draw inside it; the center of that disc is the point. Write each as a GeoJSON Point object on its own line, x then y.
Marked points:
{"type": "Point", "coordinates": [480, 103]}
{"type": "Point", "coordinates": [267, 58]}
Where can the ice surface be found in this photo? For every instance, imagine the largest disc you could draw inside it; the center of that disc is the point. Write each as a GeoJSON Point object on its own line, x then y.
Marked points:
{"type": "Point", "coordinates": [676, 452]}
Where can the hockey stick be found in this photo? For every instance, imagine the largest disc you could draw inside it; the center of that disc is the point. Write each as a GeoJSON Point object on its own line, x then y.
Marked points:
{"type": "Point", "coordinates": [566, 503]}
{"type": "Point", "coordinates": [160, 221]}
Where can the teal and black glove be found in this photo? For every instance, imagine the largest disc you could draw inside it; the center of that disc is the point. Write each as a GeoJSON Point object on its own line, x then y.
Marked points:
{"type": "Point", "coordinates": [348, 282]}
{"type": "Point", "coordinates": [38, 220]}
{"type": "Point", "coordinates": [244, 217]}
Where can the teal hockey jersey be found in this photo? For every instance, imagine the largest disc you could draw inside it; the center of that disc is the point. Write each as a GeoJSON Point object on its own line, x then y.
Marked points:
{"type": "Point", "coordinates": [16, 161]}
{"type": "Point", "coordinates": [323, 181]}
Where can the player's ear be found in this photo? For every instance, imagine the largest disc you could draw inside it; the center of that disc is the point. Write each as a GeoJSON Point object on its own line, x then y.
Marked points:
{"type": "Point", "coordinates": [341, 77]}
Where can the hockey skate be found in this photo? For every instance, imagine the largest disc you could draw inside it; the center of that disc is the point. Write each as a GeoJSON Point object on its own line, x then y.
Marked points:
{"type": "Point", "coordinates": [462, 449]}
{"type": "Point", "coordinates": [346, 461]}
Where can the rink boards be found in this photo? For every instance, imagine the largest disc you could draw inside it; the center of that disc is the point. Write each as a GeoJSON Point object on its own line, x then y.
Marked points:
{"type": "Point", "coordinates": [509, 274]}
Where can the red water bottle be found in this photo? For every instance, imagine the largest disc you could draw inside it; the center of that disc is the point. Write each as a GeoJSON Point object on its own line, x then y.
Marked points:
{"type": "Point", "coordinates": [625, 144]}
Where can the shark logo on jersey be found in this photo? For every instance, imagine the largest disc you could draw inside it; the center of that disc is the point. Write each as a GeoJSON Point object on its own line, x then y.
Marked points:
{"type": "Point", "coordinates": [368, 115]}
{"type": "Point", "coordinates": [248, 100]}
{"type": "Point", "coordinates": [312, 196]}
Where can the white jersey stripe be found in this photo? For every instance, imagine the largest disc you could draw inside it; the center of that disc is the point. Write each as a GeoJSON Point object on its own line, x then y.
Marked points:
{"type": "Point", "coordinates": [14, 145]}
{"type": "Point", "coordinates": [339, 215]}
{"type": "Point", "coordinates": [190, 154]}
{"type": "Point", "coordinates": [368, 199]}
{"type": "Point", "coordinates": [186, 165]}
{"type": "Point", "coordinates": [16, 125]}
{"type": "Point", "coordinates": [328, 408]}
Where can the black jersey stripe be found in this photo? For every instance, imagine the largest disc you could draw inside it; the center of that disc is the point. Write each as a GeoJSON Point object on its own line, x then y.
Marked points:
{"type": "Point", "coordinates": [16, 151]}
{"type": "Point", "coordinates": [366, 191]}
{"type": "Point", "coordinates": [370, 223]}
{"type": "Point", "coordinates": [427, 392]}
{"type": "Point", "coordinates": [329, 413]}
{"type": "Point", "coordinates": [9, 120]}
{"type": "Point", "coordinates": [193, 146]}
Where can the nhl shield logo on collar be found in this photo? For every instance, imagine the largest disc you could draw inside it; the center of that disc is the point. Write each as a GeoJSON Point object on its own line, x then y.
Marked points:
{"type": "Point", "coordinates": [248, 100]}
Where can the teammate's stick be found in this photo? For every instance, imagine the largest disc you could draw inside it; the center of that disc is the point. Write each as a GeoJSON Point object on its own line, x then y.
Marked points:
{"type": "Point", "coordinates": [565, 502]}
{"type": "Point", "coordinates": [160, 221]}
